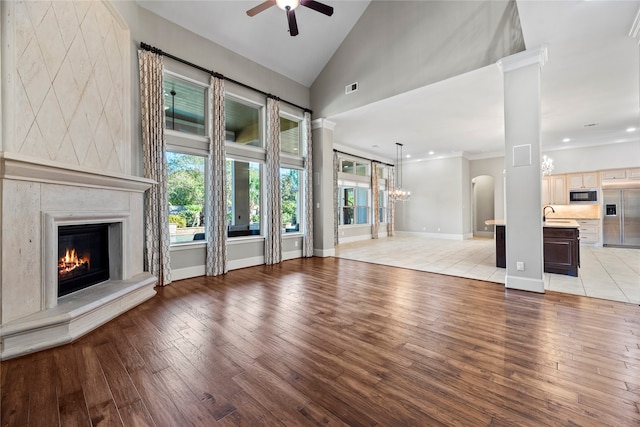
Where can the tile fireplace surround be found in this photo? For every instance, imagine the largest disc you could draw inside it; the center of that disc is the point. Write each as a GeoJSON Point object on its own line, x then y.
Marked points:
{"type": "Point", "coordinates": [37, 197]}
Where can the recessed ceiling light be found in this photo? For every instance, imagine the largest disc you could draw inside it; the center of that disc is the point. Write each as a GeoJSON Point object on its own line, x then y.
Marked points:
{"type": "Point", "coordinates": [631, 129]}
{"type": "Point", "coordinates": [408, 156]}
{"type": "Point", "coordinates": [431, 153]}
{"type": "Point", "coordinates": [566, 140]}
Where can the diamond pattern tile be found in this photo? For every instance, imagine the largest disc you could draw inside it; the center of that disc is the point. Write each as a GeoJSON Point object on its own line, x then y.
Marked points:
{"type": "Point", "coordinates": [69, 97]}
{"type": "Point", "coordinates": [50, 42]}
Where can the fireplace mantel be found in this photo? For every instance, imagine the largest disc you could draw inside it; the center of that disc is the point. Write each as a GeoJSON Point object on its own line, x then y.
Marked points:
{"type": "Point", "coordinates": [23, 168]}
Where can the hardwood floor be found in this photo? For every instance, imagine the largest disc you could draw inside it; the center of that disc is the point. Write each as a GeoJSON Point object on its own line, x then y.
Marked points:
{"type": "Point", "coordinates": [327, 341]}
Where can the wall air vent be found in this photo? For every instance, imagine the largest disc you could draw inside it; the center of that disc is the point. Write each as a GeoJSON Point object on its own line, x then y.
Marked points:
{"type": "Point", "coordinates": [350, 88]}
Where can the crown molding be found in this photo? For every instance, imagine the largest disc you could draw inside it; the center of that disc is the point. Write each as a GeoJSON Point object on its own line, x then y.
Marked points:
{"type": "Point", "coordinates": [322, 123]}
{"type": "Point", "coordinates": [524, 59]}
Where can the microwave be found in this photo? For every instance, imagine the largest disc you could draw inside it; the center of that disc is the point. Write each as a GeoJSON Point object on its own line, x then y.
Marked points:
{"type": "Point", "coordinates": [583, 196]}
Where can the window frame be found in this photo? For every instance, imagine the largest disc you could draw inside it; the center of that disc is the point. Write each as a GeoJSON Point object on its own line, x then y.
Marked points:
{"type": "Point", "coordinates": [262, 215]}
{"type": "Point", "coordinates": [171, 134]}
{"type": "Point", "coordinates": [190, 144]}
{"type": "Point", "coordinates": [301, 188]}
{"type": "Point", "coordinates": [261, 107]}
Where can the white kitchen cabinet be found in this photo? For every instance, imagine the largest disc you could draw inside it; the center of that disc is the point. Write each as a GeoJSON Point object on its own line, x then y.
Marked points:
{"type": "Point", "coordinates": [554, 190]}
{"type": "Point", "coordinates": [633, 173]}
{"type": "Point", "coordinates": [583, 180]}
{"type": "Point", "coordinates": [613, 174]}
{"type": "Point", "coordinates": [589, 231]}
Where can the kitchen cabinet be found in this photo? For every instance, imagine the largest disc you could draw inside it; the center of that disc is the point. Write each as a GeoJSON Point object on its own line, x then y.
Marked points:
{"type": "Point", "coordinates": [583, 180]}
{"type": "Point", "coordinates": [589, 230]}
{"type": "Point", "coordinates": [614, 174]}
{"type": "Point", "coordinates": [561, 250]}
{"type": "Point", "coordinates": [554, 190]}
{"type": "Point", "coordinates": [633, 173]}
{"type": "Point", "coordinates": [501, 246]}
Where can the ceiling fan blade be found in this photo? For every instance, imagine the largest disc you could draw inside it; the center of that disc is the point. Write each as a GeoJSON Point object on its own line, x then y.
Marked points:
{"type": "Point", "coordinates": [293, 24]}
{"type": "Point", "coordinates": [262, 6]}
{"type": "Point", "coordinates": [317, 6]}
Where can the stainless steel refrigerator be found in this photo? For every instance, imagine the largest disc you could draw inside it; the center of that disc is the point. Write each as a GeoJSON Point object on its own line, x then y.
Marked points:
{"type": "Point", "coordinates": [621, 219]}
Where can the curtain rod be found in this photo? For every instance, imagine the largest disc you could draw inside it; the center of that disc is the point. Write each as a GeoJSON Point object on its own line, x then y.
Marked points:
{"type": "Point", "coordinates": [218, 75]}
{"type": "Point", "coordinates": [363, 158]}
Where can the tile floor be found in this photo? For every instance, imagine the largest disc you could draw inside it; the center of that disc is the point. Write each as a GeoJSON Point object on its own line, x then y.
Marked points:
{"type": "Point", "coordinates": [607, 273]}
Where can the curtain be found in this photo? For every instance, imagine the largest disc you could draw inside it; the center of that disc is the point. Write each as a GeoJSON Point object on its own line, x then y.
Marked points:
{"type": "Point", "coordinates": [391, 183]}
{"type": "Point", "coordinates": [336, 199]}
{"type": "Point", "coordinates": [375, 201]}
{"type": "Point", "coordinates": [156, 203]}
{"type": "Point", "coordinates": [307, 248]}
{"type": "Point", "coordinates": [273, 240]}
{"type": "Point", "coordinates": [216, 216]}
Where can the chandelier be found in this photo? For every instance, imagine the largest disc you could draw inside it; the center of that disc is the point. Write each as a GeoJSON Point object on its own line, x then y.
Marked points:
{"type": "Point", "coordinates": [547, 165]}
{"type": "Point", "coordinates": [397, 193]}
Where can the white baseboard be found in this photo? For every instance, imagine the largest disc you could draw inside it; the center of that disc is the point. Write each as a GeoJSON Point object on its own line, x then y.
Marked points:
{"type": "Point", "coordinates": [246, 262]}
{"type": "Point", "coordinates": [323, 253]}
{"type": "Point", "coordinates": [292, 254]}
{"type": "Point", "coordinates": [187, 272]}
{"type": "Point", "coordinates": [524, 284]}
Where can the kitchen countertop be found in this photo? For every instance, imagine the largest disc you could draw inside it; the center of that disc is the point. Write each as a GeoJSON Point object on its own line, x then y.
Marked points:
{"type": "Point", "coordinates": [555, 223]}
{"type": "Point", "coordinates": [561, 223]}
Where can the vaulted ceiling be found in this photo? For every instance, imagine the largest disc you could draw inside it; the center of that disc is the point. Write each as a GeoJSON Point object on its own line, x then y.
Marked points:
{"type": "Point", "coordinates": [590, 84]}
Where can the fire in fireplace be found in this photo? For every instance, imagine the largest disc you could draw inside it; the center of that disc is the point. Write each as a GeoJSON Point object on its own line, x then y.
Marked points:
{"type": "Point", "coordinates": [83, 256]}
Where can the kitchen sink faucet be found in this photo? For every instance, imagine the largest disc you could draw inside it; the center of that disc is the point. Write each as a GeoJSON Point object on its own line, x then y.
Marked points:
{"type": "Point", "coordinates": [544, 217]}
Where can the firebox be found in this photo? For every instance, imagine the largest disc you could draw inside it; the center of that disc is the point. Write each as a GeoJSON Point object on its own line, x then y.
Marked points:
{"type": "Point", "coordinates": [83, 256]}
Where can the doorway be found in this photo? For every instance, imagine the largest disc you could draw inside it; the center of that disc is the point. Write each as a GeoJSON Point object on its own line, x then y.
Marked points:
{"type": "Point", "coordinates": [483, 200]}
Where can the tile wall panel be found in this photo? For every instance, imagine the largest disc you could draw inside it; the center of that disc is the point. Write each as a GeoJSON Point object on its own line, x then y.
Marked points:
{"type": "Point", "coordinates": [69, 91]}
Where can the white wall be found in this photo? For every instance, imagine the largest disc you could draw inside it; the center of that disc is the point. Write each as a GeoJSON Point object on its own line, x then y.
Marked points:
{"type": "Point", "coordinates": [440, 198]}
{"type": "Point", "coordinates": [399, 46]}
{"type": "Point", "coordinates": [610, 156]}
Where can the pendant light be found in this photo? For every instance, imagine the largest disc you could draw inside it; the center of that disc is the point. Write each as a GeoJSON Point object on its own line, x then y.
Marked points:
{"type": "Point", "coordinates": [397, 194]}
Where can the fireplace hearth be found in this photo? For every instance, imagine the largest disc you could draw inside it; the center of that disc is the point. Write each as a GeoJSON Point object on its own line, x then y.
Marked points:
{"type": "Point", "coordinates": [83, 257]}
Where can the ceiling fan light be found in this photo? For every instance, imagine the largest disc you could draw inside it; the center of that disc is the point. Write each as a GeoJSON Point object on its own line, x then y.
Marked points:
{"type": "Point", "coordinates": [283, 4]}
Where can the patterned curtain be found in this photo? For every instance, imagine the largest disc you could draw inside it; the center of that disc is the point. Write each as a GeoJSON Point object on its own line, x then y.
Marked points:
{"type": "Point", "coordinates": [156, 204]}
{"type": "Point", "coordinates": [216, 217]}
{"type": "Point", "coordinates": [307, 248]}
{"type": "Point", "coordinates": [336, 199]}
{"type": "Point", "coordinates": [375, 202]}
{"type": "Point", "coordinates": [391, 226]}
{"type": "Point", "coordinates": [273, 240]}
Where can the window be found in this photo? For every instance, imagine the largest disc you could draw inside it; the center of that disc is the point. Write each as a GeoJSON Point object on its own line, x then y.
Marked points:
{"type": "Point", "coordinates": [354, 205]}
{"type": "Point", "coordinates": [242, 123]}
{"type": "Point", "coordinates": [185, 184]}
{"type": "Point", "coordinates": [243, 198]}
{"type": "Point", "coordinates": [290, 136]}
{"type": "Point", "coordinates": [184, 105]}
{"type": "Point", "coordinates": [290, 193]}
{"type": "Point", "coordinates": [382, 208]}
{"type": "Point", "coordinates": [355, 168]}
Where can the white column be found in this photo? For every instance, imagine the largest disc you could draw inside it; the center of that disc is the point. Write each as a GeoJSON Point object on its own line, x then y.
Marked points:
{"type": "Point", "coordinates": [323, 215]}
{"type": "Point", "coordinates": [523, 199]}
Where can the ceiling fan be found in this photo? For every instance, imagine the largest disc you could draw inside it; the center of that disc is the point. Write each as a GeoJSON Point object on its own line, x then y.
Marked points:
{"type": "Point", "coordinates": [289, 6]}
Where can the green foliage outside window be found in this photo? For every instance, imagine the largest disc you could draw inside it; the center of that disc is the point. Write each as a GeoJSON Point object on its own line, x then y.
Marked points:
{"type": "Point", "coordinates": [289, 189]}
{"type": "Point", "coordinates": [185, 184]}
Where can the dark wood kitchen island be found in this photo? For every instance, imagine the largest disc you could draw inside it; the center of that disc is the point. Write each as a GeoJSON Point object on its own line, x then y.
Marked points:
{"type": "Point", "coordinates": [561, 246]}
